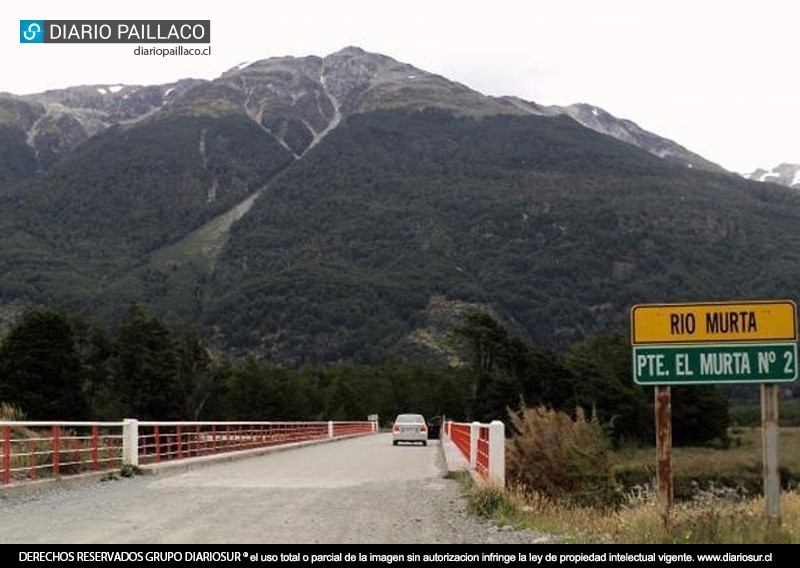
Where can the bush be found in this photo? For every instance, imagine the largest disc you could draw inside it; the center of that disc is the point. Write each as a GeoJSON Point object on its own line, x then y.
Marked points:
{"type": "Point", "coordinates": [128, 470]}
{"type": "Point", "coordinates": [487, 500]}
{"type": "Point", "coordinates": [563, 458]}
{"type": "Point", "coordinates": [11, 413]}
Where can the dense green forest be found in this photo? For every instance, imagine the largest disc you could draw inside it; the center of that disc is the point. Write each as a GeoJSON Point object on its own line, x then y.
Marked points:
{"type": "Point", "coordinates": [80, 234]}
{"type": "Point", "coordinates": [58, 366]}
{"type": "Point", "coordinates": [16, 158]}
{"type": "Point", "coordinates": [554, 228]}
{"type": "Point", "coordinates": [557, 229]}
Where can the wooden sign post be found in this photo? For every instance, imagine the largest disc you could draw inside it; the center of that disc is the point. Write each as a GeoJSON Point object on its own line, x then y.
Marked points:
{"type": "Point", "coordinates": [663, 405]}
{"type": "Point", "coordinates": [716, 343]}
{"type": "Point", "coordinates": [769, 434]}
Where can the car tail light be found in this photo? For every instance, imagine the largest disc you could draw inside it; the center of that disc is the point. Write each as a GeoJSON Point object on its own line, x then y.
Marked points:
{"type": "Point", "coordinates": [423, 428]}
{"type": "Point", "coordinates": [395, 428]}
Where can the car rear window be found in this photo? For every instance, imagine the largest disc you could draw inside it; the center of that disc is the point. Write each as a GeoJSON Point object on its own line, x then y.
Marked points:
{"type": "Point", "coordinates": [410, 419]}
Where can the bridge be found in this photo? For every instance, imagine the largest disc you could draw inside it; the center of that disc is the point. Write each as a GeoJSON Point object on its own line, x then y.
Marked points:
{"type": "Point", "coordinates": [295, 483]}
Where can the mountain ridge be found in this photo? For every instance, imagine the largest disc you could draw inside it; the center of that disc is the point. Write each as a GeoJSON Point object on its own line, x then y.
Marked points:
{"type": "Point", "coordinates": [314, 209]}
{"type": "Point", "coordinates": [297, 100]}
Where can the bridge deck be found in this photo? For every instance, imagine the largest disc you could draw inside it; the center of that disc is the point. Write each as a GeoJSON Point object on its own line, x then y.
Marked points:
{"type": "Point", "coordinates": [361, 490]}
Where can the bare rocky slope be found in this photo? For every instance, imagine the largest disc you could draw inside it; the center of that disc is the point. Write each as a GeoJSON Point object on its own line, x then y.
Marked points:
{"type": "Point", "coordinates": [783, 174]}
{"type": "Point", "coordinates": [297, 100]}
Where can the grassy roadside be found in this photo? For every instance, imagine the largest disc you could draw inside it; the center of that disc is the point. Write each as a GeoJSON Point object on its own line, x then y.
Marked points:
{"type": "Point", "coordinates": [639, 521]}
{"type": "Point", "coordinates": [719, 505]}
{"type": "Point", "coordinates": [737, 467]}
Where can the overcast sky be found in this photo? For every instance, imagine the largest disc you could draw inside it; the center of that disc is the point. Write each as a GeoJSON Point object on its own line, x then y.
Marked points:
{"type": "Point", "coordinates": [721, 78]}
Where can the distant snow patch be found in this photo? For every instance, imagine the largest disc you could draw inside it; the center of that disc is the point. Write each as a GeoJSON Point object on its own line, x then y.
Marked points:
{"type": "Point", "coordinates": [116, 88]}
{"type": "Point", "coordinates": [243, 64]}
{"type": "Point", "coordinates": [796, 178]}
{"type": "Point", "coordinates": [102, 91]}
{"type": "Point", "coordinates": [766, 175]}
{"type": "Point", "coordinates": [595, 112]}
{"type": "Point", "coordinates": [412, 76]}
{"type": "Point", "coordinates": [169, 91]}
{"type": "Point", "coordinates": [689, 166]}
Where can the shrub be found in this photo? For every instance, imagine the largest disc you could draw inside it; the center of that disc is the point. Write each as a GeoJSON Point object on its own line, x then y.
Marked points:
{"type": "Point", "coordinates": [561, 457]}
{"type": "Point", "coordinates": [128, 470]}
{"type": "Point", "coordinates": [10, 412]}
{"type": "Point", "coordinates": [487, 500]}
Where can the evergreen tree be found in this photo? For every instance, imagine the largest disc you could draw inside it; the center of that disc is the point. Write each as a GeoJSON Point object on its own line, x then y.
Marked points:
{"type": "Point", "coordinates": [601, 381]}
{"type": "Point", "coordinates": [95, 351]}
{"type": "Point", "coordinates": [699, 414]}
{"type": "Point", "coordinates": [198, 379]}
{"type": "Point", "coordinates": [146, 369]}
{"type": "Point", "coordinates": [40, 371]}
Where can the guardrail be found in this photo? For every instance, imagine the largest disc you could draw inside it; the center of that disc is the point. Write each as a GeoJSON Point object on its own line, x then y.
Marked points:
{"type": "Point", "coordinates": [35, 450]}
{"type": "Point", "coordinates": [483, 447]}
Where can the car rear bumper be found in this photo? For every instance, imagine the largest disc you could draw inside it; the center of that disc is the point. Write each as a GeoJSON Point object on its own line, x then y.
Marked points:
{"type": "Point", "coordinates": [409, 436]}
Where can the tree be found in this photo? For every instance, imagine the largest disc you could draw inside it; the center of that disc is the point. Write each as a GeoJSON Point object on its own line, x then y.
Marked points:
{"type": "Point", "coordinates": [487, 341]}
{"type": "Point", "coordinates": [344, 398]}
{"type": "Point", "coordinates": [199, 380]}
{"type": "Point", "coordinates": [699, 414]}
{"type": "Point", "coordinates": [40, 371]}
{"type": "Point", "coordinates": [146, 369]}
{"type": "Point", "coordinates": [451, 395]}
{"type": "Point", "coordinates": [243, 392]}
{"type": "Point", "coordinates": [507, 370]}
{"type": "Point", "coordinates": [94, 351]}
{"type": "Point", "coordinates": [487, 344]}
{"type": "Point", "coordinates": [600, 369]}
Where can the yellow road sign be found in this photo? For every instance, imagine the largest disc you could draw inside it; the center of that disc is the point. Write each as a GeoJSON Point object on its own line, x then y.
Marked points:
{"type": "Point", "coordinates": [715, 322]}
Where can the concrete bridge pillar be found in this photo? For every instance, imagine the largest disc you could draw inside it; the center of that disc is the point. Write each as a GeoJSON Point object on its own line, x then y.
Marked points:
{"type": "Point", "coordinates": [130, 442]}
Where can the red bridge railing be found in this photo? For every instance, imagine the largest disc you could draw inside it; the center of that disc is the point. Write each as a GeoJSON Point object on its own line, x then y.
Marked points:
{"type": "Point", "coordinates": [34, 450]}
{"type": "Point", "coordinates": [460, 435]}
{"type": "Point", "coordinates": [481, 445]}
{"type": "Point", "coordinates": [40, 450]}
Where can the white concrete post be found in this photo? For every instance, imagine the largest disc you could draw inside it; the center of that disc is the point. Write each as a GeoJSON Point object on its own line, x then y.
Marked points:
{"type": "Point", "coordinates": [330, 428]}
{"type": "Point", "coordinates": [497, 452]}
{"type": "Point", "coordinates": [130, 442]}
{"type": "Point", "coordinates": [474, 431]}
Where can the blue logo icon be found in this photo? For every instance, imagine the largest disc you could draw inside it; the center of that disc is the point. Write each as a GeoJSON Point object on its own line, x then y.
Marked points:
{"type": "Point", "coordinates": [31, 31]}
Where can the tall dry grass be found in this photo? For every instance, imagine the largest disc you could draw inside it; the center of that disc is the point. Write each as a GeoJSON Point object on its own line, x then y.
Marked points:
{"type": "Point", "coordinates": [10, 412]}
{"type": "Point", "coordinates": [561, 457]}
{"type": "Point", "coordinates": [552, 451]}
{"type": "Point", "coordinates": [639, 520]}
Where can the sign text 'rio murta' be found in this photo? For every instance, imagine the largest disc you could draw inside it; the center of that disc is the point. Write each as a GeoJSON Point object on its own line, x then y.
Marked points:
{"type": "Point", "coordinates": [722, 342]}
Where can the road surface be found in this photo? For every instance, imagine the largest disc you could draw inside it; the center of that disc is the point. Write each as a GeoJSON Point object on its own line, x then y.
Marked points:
{"type": "Point", "coordinates": [362, 490]}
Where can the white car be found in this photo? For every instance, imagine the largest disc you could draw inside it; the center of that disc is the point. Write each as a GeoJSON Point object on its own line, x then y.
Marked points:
{"type": "Point", "coordinates": [410, 428]}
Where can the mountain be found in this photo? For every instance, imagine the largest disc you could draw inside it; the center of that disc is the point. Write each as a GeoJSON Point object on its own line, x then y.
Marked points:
{"type": "Point", "coordinates": [297, 100]}
{"type": "Point", "coordinates": [603, 122]}
{"type": "Point", "coordinates": [45, 127]}
{"type": "Point", "coordinates": [332, 208]}
{"type": "Point", "coordinates": [783, 174]}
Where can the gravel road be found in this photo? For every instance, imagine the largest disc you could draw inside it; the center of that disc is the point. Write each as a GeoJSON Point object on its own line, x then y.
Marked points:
{"type": "Point", "coordinates": [362, 490]}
